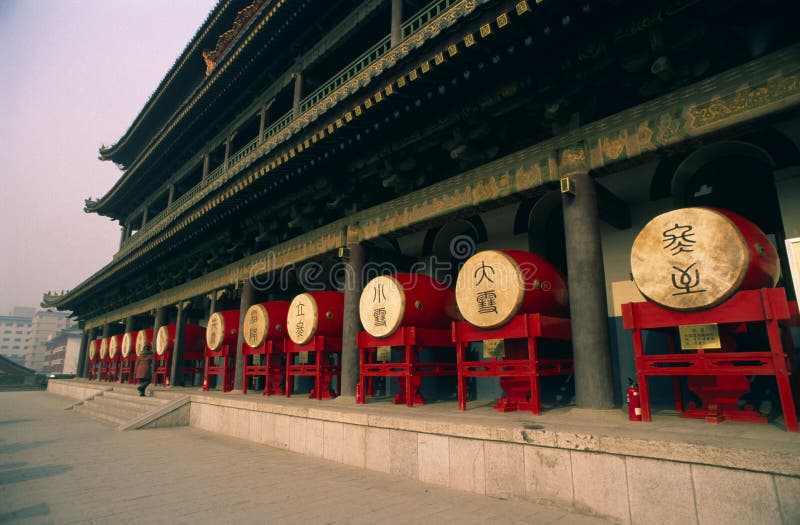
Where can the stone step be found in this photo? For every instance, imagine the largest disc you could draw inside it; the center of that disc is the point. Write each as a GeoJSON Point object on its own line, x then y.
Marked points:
{"type": "Point", "coordinates": [123, 411]}
{"type": "Point", "coordinates": [96, 412]}
{"type": "Point", "coordinates": [134, 397]}
{"type": "Point", "coordinates": [124, 406]}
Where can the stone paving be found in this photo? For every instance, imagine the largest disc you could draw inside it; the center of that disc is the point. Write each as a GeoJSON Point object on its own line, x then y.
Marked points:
{"type": "Point", "coordinates": [60, 467]}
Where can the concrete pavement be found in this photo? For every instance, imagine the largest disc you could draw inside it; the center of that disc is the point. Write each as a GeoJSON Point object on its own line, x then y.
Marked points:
{"type": "Point", "coordinates": [60, 467]}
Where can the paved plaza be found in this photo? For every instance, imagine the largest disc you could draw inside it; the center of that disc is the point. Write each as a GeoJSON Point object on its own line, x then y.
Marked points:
{"type": "Point", "coordinates": [60, 467]}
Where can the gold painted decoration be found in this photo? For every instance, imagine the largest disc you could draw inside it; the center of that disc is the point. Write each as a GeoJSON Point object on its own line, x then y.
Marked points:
{"type": "Point", "coordinates": [92, 348]}
{"type": "Point", "coordinates": [113, 347]}
{"type": "Point", "coordinates": [162, 340]}
{"type": "Point", "coordinates": [693, 258]}
{"type": "Point", "coordinates": [381, 306]}
{"type": "Point", "coordinates": [215, 331]}
{"type": "Point", "coordinates": [127, 345]}
{"type": "Point", "coordinates": [301, 322]}
{"type": "Point", "coordinates": [256, 325]}
{"type": "Point", "coordinates": [489, 289]}
{"type": "Point", "coordinates": [104, 348]}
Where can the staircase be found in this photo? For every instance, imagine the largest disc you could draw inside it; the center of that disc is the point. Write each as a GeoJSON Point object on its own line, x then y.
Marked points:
{"type": "Point", "coordinates": [120, 405]}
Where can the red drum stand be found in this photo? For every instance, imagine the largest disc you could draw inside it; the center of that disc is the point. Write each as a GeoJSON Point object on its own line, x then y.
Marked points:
{"type": "Point", "coordinates": [519, 371]}
{"type": "Point", "coordinates": [93, 370]}
{"type": "Point", "coordinates": [719, 377]}
{"type": "Point", "coordinates": [113, 368]}
{"type": "Point", "coordinates": [410, 370]}
{"type": "Point", "coordinates": [192, 365]}
{"type": "Point", "coordinates": [105, 366]}
{"type": "Point", "coordinates": [326, 353]}
{"type": "Point", "coordinates": [127, 369]}
{"type": "Point", "coordinates": [226, 370]}
{"type": "Point", "coordinates": [271, 365]}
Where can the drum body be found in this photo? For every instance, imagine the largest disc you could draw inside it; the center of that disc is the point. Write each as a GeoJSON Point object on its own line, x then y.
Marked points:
{"type": "Point", "coordinates": [114, 346]}
{"type": "Point", "coordinates": [696, 258]}
{"type": "Point", "coordinates": [405, 299]}
{"type": "Point", "coordinates": [222, 329]}
{"type": "Point", "coordinates": [143, 337]}
{"type": "Point", "coordinates": [493, 286]}
{"type": "Point", "coordinates": [315, 314]}
{"type": "Point", "coordinates": [194, 339]}
{"type": "Point", "coordinates": [264, 322]}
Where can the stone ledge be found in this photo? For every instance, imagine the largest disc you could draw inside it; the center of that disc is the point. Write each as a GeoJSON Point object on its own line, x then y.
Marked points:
{"type": "Point", "coordinates": [558, 429]}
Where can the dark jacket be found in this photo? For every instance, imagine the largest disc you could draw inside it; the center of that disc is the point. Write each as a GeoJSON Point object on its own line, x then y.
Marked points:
{"type": "Point", "coordinates": [144, 366]}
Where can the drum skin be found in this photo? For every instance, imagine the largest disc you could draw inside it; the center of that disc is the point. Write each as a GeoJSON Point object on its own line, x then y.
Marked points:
{"type": "Point", "coordinates": [143, 337]}
{"type": "Point", "coordinates": [222, 329]}
{"type": "Point", "coordinates": [94, 346]}
{"type": "Point", "coordinates": [114, 346]}
{"type": "Point", "coordinates": [314, 314]}
{"type": "Point", "coordinates": [127, 342]}
{"type": "Point", "coordinates": [265, 322]}
{"type": "Point", "coordinates": [194, 339]}
{"type": "Point", "coordinates": [493, 286]}
{"type": "Point", "coordinates": [405, 299]}
{"type": "Point", "coordinates": [104, 348]}
{"type": "Point", "coordinates": [693, 259]}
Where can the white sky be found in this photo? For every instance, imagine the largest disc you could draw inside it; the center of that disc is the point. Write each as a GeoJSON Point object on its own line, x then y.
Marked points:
{"type": "Point", "coordinates": [74, 75]}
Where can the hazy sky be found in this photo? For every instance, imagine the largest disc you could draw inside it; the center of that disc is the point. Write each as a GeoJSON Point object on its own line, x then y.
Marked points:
{"type": "Point", "coordinates": [73, 76]}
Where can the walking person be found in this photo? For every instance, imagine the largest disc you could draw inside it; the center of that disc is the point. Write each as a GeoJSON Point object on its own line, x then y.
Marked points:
{"type": "Point", "coordinates": [144, 369]}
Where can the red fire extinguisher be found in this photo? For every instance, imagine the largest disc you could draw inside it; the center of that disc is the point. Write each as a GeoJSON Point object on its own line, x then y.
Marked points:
{"type": "Point", "coordinates": [634, 402]}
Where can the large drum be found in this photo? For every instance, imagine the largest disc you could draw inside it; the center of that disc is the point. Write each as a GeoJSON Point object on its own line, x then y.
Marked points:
{"type": "Point", "coordinates": [126, 345]}
{"type": "Point", "coordinates": [194, 338]}
{"type": "Point", "coordinates": [104, 348]}
{"type": "Point", "coordinates": [143, 337]}
{"type": "Point", "coordinates": [94, 345]}
{"type": "Point", "coordinates": [696, 258]}
{"type": "Point", "coordinates": [265, 321]}
{"type": "Point", "coordinates": [405, 299]}
{"type": "Point", "coordinates": [114, 343]}
{"type": "Point", "coordinates": [315, 313]}
{"type": "Point", "coordinates": [222, 329]}
{"type": "Point", "coordinates": [495, 285]}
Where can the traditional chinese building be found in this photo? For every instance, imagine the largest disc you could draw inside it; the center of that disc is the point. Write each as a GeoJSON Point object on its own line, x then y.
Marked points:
{"type": "Point", "coordinates": [415, 133]}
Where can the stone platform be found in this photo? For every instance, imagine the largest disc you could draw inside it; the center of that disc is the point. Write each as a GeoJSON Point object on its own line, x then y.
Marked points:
{"type": "Point", "coordinates": [671, 470]}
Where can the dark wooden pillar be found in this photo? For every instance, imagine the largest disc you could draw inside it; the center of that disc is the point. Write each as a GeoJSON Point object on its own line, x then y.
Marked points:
{"type": "Point", "coordinates": [352, 293]}
{"type": "Point", "coordinates": [106, 330]}
{"type": "Point", "coordinates": [144, 217]}
{"type": "Point", "coordinates": [85, 338]}
{"type": "Point", "coordinates": [247, 300]}
{"type": "Point", "coordinates": [228, 142]}
{"type": "Point", "coordinates": [397, 22]}
{"type": "Point", "coordinates": [262, 122]}
{"type": "Point", "coordinates": [130, 325]}
{"type": "Point", "coordinates": [587, 287]}
{"type": "Point", "coordinates": [176, 374]}
{"type": "Point", "coordinates": [206, 165]}
{"type": "Point", "coordinates": [159, 321]}
{"type": "Point", "coordinates": [171, 194]}
{"type": "Point", "coordinates": [298, 94]}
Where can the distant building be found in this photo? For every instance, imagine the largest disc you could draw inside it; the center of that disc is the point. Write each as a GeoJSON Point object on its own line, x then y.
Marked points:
{"type": "Point", "coordinates": [61, 352]}
{"type": "Point", "coordinates": [15, 333]}
{"type": "Point", "coordinates": [44, 326]}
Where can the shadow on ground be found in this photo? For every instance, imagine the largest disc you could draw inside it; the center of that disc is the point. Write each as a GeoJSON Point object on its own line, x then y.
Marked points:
{"type": "Point", "coordinates": [26, 474]}
{"type": "Point", "coordinates": [42, 509]}
{"type": "Point", "coordinates": [16, 447]}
